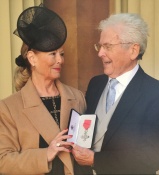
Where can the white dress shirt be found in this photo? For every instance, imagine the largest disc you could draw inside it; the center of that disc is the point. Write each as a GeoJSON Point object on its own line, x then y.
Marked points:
{"type": "Point", "coordinates": [124, 80]}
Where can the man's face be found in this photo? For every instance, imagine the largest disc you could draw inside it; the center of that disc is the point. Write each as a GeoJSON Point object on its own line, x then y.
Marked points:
{"type": "Point", "coordinates": [117, 57]}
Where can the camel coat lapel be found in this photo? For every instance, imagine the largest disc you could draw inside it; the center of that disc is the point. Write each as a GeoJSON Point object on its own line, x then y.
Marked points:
{"type": "Point", "coordinates": [41, 118]}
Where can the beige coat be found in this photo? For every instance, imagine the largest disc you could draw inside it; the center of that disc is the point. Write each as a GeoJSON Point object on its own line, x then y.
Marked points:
{"type": "Point", "coordinates": [23, 117]}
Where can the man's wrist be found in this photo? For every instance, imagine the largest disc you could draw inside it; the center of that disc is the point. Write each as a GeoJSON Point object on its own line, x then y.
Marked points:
{"type": "Point", "coordinates": [92, 166]}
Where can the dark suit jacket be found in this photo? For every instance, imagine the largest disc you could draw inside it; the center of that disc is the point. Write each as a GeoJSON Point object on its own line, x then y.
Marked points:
{"type": "Point", "coordinates": [131, 143]}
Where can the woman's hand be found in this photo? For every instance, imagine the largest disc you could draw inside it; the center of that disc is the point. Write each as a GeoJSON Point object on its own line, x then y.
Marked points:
{"type": "Point", "coordinates": [58, 144]}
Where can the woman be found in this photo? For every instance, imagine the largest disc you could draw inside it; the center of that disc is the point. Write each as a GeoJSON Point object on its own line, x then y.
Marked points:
{"type": "Point", "coordinates": [33, 121]}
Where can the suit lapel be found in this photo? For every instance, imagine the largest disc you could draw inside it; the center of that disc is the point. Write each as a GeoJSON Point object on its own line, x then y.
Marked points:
{"type": "Point", "coordinates": [128, 99]}
{"type": "Point", "coordinates": [95, 94]}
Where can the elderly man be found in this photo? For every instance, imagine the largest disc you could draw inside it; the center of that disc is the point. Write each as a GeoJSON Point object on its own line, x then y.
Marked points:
{"type": "Point", "coordinates": [126, 101]}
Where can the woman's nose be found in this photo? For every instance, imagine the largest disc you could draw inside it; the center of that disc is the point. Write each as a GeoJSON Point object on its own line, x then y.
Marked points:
{"type": "Point", "coordinates": [59, 58]}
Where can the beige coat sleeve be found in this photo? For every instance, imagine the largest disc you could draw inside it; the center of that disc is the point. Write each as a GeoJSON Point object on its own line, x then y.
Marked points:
{"type": "Point", "coordinates": [12, 158]}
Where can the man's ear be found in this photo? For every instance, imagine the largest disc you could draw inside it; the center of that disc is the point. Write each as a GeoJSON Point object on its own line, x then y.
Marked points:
{"type": "Point", "coordinates": [135, 50]}
{"type": "Point", "coordinates": [31, 57]}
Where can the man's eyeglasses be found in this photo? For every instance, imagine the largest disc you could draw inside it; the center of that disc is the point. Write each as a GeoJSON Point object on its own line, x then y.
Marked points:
{"type": "Point", "coordinates": [106, 46]}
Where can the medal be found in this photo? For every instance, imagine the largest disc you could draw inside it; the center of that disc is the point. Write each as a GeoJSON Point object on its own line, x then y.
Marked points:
{"type": "Point", "coordinates": [86, 125]}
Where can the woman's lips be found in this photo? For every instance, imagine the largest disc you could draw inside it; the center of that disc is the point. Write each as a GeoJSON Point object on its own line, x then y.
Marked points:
{"type": "Point", "coordinates": [58, 69]}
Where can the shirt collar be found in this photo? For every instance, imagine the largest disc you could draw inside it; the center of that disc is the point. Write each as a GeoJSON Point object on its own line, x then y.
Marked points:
{"type": "Point", "coordinates": [125, 78]}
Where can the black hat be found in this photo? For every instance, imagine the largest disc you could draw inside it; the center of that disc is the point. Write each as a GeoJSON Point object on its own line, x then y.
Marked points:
{"type": "Point", "coordinates": [41, 29]}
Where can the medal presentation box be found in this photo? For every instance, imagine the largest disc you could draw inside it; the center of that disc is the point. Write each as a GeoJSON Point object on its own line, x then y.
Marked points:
{"type": "Point", "coordinates": [81, 127]}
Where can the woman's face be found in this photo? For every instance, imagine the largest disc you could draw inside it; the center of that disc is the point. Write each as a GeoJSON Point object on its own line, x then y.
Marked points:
{"type": "Point", "coordinates": [48, 64]}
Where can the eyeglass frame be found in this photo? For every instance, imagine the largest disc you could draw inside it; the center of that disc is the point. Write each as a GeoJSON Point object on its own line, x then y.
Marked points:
{"type": "Point", "coordinates": [107, 46]}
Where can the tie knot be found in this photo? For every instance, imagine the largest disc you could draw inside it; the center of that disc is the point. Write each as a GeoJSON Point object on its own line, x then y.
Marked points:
{"type": "Point", "coordinates": [113, 82]}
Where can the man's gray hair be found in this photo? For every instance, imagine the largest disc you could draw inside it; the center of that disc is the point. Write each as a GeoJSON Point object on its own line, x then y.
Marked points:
{"type": "Point", "coordinates": [129, 27]}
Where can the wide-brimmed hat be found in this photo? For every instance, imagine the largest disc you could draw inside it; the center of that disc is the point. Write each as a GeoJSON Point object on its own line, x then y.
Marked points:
{"type": "Point", "coordinates": [41, 29]}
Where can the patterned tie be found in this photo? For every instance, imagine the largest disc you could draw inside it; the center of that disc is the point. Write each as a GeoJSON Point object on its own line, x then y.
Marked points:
{"type": "Point", "coordinates": [111, 94]}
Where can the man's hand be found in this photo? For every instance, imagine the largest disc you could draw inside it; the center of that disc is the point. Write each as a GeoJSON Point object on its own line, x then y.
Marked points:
{"type": "Point", "coordinates": [82, 155]}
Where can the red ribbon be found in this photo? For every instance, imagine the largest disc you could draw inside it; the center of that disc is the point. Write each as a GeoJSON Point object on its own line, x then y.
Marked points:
{"type": "Point", "coordinates": [86, 124]}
